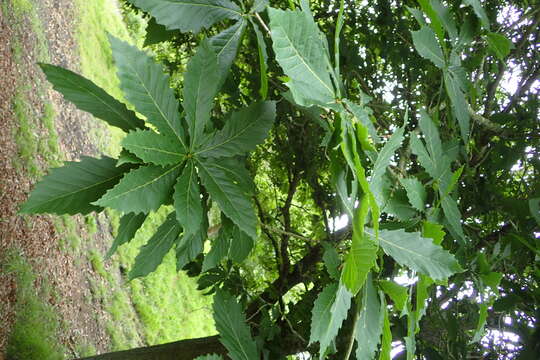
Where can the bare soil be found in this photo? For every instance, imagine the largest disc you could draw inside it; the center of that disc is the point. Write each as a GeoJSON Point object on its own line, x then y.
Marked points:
{"type": "Point", "coordinates": [35, 237]}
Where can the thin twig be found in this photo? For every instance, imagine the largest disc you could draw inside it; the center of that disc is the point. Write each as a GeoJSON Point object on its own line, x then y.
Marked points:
{"type": "Point", "coordinates": [263, 24]}
{"type": "Point", "coordinates": [282, 232]}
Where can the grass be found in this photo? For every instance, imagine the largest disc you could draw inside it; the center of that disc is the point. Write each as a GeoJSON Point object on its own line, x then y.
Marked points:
{"type": "Point", "coordinates": [34, 333]}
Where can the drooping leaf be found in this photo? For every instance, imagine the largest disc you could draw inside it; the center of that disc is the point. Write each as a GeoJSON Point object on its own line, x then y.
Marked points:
{"type": "Point", "coordinates": [141, 190]}
{"type": "Point", "coordinates": [453, 216]}
{"type": "Point", "coordinates": [427, 46]}
{"type": "Point", "coordinates": [460, 107]}
{"type": "Point", "coordinates": [230, 197]}
{"type": "Point", "coordinates": [446, 18]}
{"type": "Point", "coordinates": [499, 45]}
{"type": "Point", "coordinates": [362, 114]}
{"type": "Point", "coordinates": [189, 247]}
{"type": "Point", "coordinates": [418, 253]}
{"type": "Point", "coordinates": [220, 246]}
{"type": "Point", "coordinates": [386, 341]}
{"type": "Point", "coordinates": [397, 293]}
{"type": "Point", "coordinates": [263, 59]}
{"type": "Point", "coordinates": [534, 208]}
{"type": "Point", "coordinates": [187, 200]}
{"type": "Point", "coordinates": [145, 85]}
{"type": "Point", "coordinates": [201, 81]}
{"type": "Point", "coordinates": [233, 331]}
{"type": "Point", "coordinates": [129, 224]}
{"type": "Point", "coordinates": [154, 148]}
{"type": "Point", "coordinates": [329, 312]}
{"type": "Point", "coordinates": [87, 96]}
{"type": "Point", "coordinates": [435, 21]}
{"type": "Point", "coordinates": [242, 132]}
{"type": "Point", "coordinates": [331, 260]}
{"type": "Point", "coordinates": [156, 33]}
{"type": "Point", "coordinates": [422, 294]}
{"type": "Point", "coordinates": [152, 254]}
{"type": "Point", "coordinates": [241, 245]}
{"type": "Point", "coordinates": [225, 45]}
{"type": "Point", "coordinates": [73, 188]}
{"type": "Point", "coordinates": [189, 15]}
{"type": "Point", "coordinates": [368, 327]}
{"type": "Point", "coordinates": [479, 11]}
{"type": "Point", "coordinates": [482, 319]}
{"type": "Point", "coordinates": [301, 52]}
{"type": "Point", "coordinates": [415, 192]}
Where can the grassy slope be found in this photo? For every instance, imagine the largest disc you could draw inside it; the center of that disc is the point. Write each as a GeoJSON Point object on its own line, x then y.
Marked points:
{"type": "Point", "coordinates": [168, 307]}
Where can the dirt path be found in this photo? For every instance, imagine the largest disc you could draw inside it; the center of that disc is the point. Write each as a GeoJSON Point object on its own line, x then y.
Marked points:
{"type": "Point", "coordinates": [35, 237]}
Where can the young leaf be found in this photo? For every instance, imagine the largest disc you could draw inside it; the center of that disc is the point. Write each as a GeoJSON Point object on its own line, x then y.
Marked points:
{"type": "Point", "coordinates": [129, 224]}
{"type": "Point", "coordinates": [415, 192]}
{"type": "Point", "coordinates": [141, 190]}
{"type": "Point", "coordinates": [368, 327]}
{"type": "Point", "coordinates": [88, 97]}
{"type": "Point", "coordinates": [189, 15]}
{"type": "Point", "coordinates": [242, 132]}
{"type": "Point", "coordinates": [418, 253]}
{"type": "Point", "coordinates": [230, 197]}
{"type": "Point", "coordinates": [359, 261]}
{"type": "Point", "coordinates": [73, 188]}
{"type": "Point", "coordinates": [233, 331]}
{"type": "Point", "coordinates": [301, 52]}
{"type": "Point", "coordinates": [187, 200]}
{"type": "Point", "coordinates": [201, 82]}
{"type": "Point", "coordinates": [362, 113]}
{"type": "Point", "coordinates": [428, 47]}
{"type": "Point", "coordinates": [146, 86]}
{"type": "Point", "coordinates": [154, 148]}
{"type": "Point", "coordinates": [152, 254]}
{"type": "Point", "coordinates": [225, 45]}
{"type": "Point", "coordinates": [329, 312]}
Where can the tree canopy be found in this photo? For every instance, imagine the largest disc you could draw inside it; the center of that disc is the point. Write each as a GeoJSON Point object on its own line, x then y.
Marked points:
{"type": "Point", "coordinates": [364, 174]}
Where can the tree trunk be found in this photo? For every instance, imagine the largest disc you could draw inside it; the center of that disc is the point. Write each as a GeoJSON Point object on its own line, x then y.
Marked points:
{"type": "Point", "coordinates": [187, 349]}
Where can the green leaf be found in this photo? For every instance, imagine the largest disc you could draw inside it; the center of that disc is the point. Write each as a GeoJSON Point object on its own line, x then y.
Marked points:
{"type": "Point", "coordinates": [301, 51]}
{"type": "Point", "coordinates": [492, 279]}
{"type": "Point", "coordinates": [482, 319]}
{"type": "Point", "coordinates": [534, 208]}
{"type": "Point", "coordinates": [422, 294]}
{"type": "Point", "coordinates": [435, 21]}
{"type": "Point", "coordinates": [428, 47]}
{"type": "Point", "coordinates": [154, 148]}
{"type": "Point", "coordinates": [363, 253]}
{"type": "Point", "coordinates": [127, 157]}
{"type": "Point", "coordinates": [382, 162]}
{"type": "Point", "coordinates": [242, 132]}
{"type": "Point", "coordinates": [362, 114]}
{"type": "Point", "coordinates": [189, 15]}
{"type": "Point", "coordinates": [418, 253]}
{"type": "Point", "coordinates": [189, 247]}
{"type": "Point", "coordinates": [73, 188]}
{"type": "Point", "coordinates": [225, 45]}
{"type": "Point", "coordinates": [156, 33]}
{"type": "Point", "coordinates": [220, 246]}
{"type": "Point", "coordinates": [397, 293]}
{"type": "Point", "coordinates": [241, 245]}
{"type": "Point", "coordinates": [88, 97]}
{"type": "Point", "coordinates": [141, 190]}
{"type": "Point", "coordinates": [259, 6]}
{"type": "Point", "coordinates": [368, 327]}
{"type": "Point", "coordinates": [129, 224]}
{"type": "Point", "coordinates": [386, 342]}
{"type": "Point", "coordinates": [460, 107]}
{"type": "Point", "coordinates": [446, 18]}
{"type": "Point", "coordinates": [415, 192]}
{"type": "Point", "coordinates": [499, 44]}
{"type": "Point", "coordinates": [209, 357]}
{"type": "Point", "coordinates": [187, 200]}
{"type": "Point", "coordinates": [329, 312]}
{"type": "Point", "coordinates": [263, 59]}
{"type": "Point", "coordinates": [201, 81]}
{"type": "Point", "coordinates": [453, 215]}
{"type": "Point", "coordinates": [433, 231]}
{"type": "Point", "coordinates": [331, 260]}
{"type": "Point", "coordinates": [230, 197]}
{"type": "Point", "coordinates": [480, 12]}
{"type": "Point", "coordinates": [234, 333]}
{"type": "Point", "coordinates": [146, 86]}
{"type": "Point", "coordinates": [152, 254]}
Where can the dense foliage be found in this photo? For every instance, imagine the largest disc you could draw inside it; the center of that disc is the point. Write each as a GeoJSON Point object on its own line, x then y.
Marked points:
{"type": "Point", "coordinates": [365, 174]}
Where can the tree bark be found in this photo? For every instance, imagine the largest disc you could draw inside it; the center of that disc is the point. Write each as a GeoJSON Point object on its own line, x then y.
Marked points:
{"type": "Point", "coordinates": [187, 349]}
